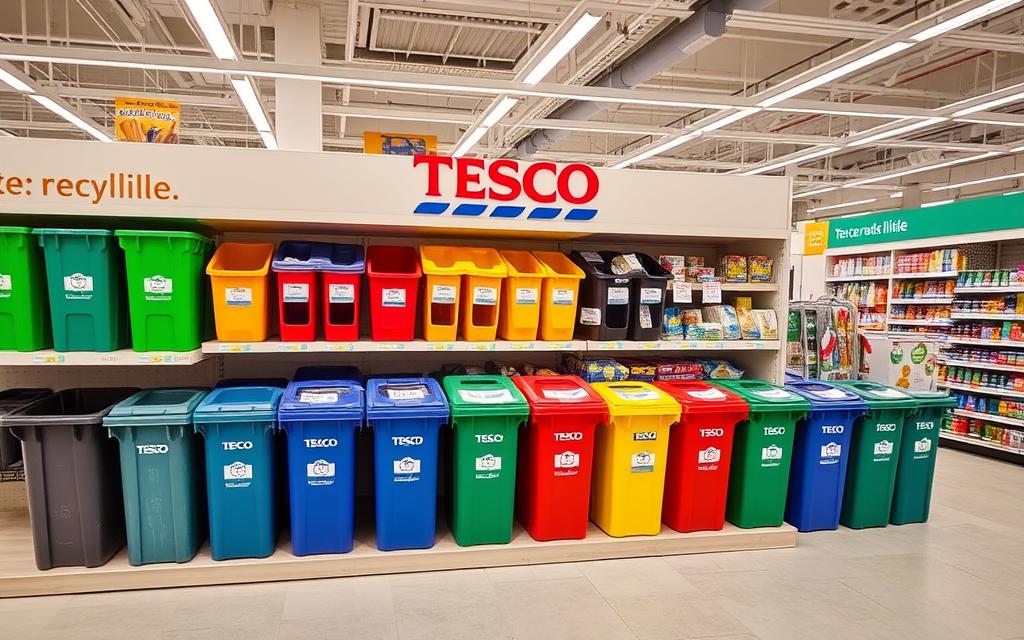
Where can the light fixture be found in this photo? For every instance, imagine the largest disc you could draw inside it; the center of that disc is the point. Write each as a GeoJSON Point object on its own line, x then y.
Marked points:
{"type": "Point", "coordinates": [247, 94]}
{"type": "Point", "coordinates": [794, 159]}
{"type": "Point", "coordinates": [937, 203]}
{"type": "Point", "coordinates": [70, 117]}
{"type": "Point", "coordinates": [213, 29]}
{"type": "Point", "coordinates": [572, 38]}
{"type": "Point", "coordinates": [470, 142]}
{"type": "Point", "coordinates": [729, 119]}
{"type": "Point", "coordinates": [1017, 150]}
{"type": "Point", "coordinates": [815, 192]}
{"type": "Point", "coordinates": [993, 121]}
{"type": "Point", "coordinates": [7, 134]}
{"type": "Point", "coordinates": [14, 81]}
{"type": "Point", "coordinates": [978, 181]}
{"type": "Point", "coordinates": [269, 141]}
{"type": "Point", "coordinates": [657, 149]}
{"type": "Point", "coordinates": [991, 103]}
{"type": "Point", "coordinates": [907, 172]}
{"type": "Point", "coordinates": [825, 110]}
{"type": "Point", "coordinates": [891, 133]}
{"type": "Point", "coordinates": [842, 205]}
{"type": "Point", "coordinates": [966, 17]}
{"type": "Point", "coordinates": [498, 112]}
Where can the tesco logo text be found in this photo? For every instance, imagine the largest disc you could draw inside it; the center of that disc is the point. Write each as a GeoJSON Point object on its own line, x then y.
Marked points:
{"type": "Point", "coordinates": [775, 431]}
{"type": "Point", "coordinates": [506, 181]}
{"type": "Point", "coordinates": [145, 449]}
{"type": "Point", "coordinates": [490, 437]}
{"type": "Point", "coordinates": [314, 443]}
{"type": "Point", "coordinates": [838, 428]}
{"type": "Point", "coordinates": [567, 437]}
{"type": "Point", "coordinates": [232, 446]}
{"type": "Point", "coordinates": [886, 427]}
{"type": "Point", "coordinates": [712, 433]}
{"type": "Point", "coordinates": [406, 441]}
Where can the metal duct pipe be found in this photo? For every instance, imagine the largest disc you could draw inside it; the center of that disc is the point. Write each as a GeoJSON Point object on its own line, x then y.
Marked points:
{"type": "Point", "coordinates": [706, 25]}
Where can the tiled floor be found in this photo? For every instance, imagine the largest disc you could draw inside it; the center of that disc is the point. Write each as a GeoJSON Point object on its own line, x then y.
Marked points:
{"type": "Point", "coordinates": [960, 576]}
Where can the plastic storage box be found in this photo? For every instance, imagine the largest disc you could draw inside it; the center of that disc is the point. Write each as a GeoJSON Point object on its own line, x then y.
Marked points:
{"type": "Point", "coordinates": [394, 275]}
{"type": "Point", "coordinates": [161, 474]}
{"type": "Point", "coordinates": [239, 282]}
{"type": "Point", "coordinates": [648, 309]}
{"type": "Point", "coordinates": [605, 302]}
{"type": "Point", "coordinates": [559, 295]}
{"type": "Point", "coordinates": [912, 493]}
{"type": "Point", "coordinates": [295, 267]}
{"type": "Point", "coordinates": [24, 308]}
{"type": "Point", "coordinates": [484, 272]}
{"type": "Point", "coordinates": [442, 290]}
{"type": "Point", "coordinates": [342, 272]}
{"type": "Point", "coordinates": [519, 318]}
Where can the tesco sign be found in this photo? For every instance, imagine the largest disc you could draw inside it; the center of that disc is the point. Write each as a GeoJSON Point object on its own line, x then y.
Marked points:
{"type": "Point", "coordinates": [482, 187]}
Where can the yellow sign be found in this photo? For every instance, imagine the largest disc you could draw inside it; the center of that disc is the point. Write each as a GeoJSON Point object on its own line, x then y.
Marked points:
{"type": "Point", "coordinates": [399, 144]}
{"type": "Point", "coordinates": [815, 238]}
{"type": "Point", "coordinates": [142, 120]}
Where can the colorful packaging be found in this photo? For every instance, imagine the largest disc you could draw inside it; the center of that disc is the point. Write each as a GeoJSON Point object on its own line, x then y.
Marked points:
{"type": "Point", "coordinates": [692, 316]}
{"type": "Point", "coordinates": [734, 269]}
{"type": "Point", "coordinates": [639, 370]}
{"type": "Point", "coordinates": [144, 120]}
{"type": "Point", "coordinates": [702, 274]}
{"type": "Point", "coordinates": [743, 302]}
{"type": "Point", "coordinates": [720, 369]}
{"type": "Point", "coordinates": [675, 264]}
{"type": "Point", "coordinates": [704, 331]}
{"type": "Point", "coordinates": [749, 329]}
{"type": "Point", "coordinates": [694, 261]}
{"type": "Point", "coordinates": [767, 323]}
{"type": "Point", "coordinates": [673, 324]}
{"type": "Point", "coordinates": [760, 268]}
{"type": "Point", "coordinates": [724, 315]}
{"type": "Point", "coordinates": [597, 370]}
{"type": "Point", "coordinates": [668, 369]}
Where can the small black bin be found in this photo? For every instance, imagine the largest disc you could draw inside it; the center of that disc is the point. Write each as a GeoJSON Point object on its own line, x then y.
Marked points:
{"type": "Point", "coordinates": [648, 308]}
{"type": "Point", "coordinates": [606, 302]}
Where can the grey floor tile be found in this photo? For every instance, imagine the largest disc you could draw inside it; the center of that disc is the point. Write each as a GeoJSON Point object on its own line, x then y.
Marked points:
{"type": "Point", "coordinates": [670, 616]}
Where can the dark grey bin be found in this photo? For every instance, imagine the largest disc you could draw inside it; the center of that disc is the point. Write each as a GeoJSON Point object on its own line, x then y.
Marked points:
{"type": "Point", "coordinates": [73, 476]}
{"type": "Point", "coordinates": [11, 400]}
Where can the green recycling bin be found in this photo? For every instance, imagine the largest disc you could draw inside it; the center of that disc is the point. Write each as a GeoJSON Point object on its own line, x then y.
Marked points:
{"type": "Point", "coordinates": [166, 286]}
{"type": "Point", "coordinates": [762, 453]}
{"type": "Point", "coordinates": [24, 317]}
{"type": "Point", "coordinates": [85, 276]}
{"type": "Point", "coordinates": [912, 494]}
{"type": "Point", "coordinates": [874, 454]}
{"type": "Point", "coordinates": [486, 412]}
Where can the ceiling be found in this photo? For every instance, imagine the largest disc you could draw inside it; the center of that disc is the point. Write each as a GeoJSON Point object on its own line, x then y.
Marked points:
{"type": "Point", "coordinates": [474, 50]}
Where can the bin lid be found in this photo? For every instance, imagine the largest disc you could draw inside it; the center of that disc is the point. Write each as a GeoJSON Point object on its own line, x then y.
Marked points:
{"type": "Point", "coordinates": [12, 399]}
{"type": "Point", "coordinates": [239, 404]}
{"type": "Point", "coordinates": [296, 255]}
{"type": "Point", "coordinates": [321, 400]}
{"type": "Point", "coordinates": [522, 264]}
{"type": "Point", "coordinates": [72, 232]}
{"type": "Point", "coordinates": [556, 395]}
{"type": "Point", "coordinates": [931, 399]}
{"type": "Point", "coordinates": [15, 230]}
{"type": "Point", "coordinates": [763, 396]}
{"type": "Point", "coordinates": [878, 396]}
{"type": "Point", "coordinates": [280, 383]}
{"type": "Point", "coordinates": [182, 235]}
{"type": "Point", "coordinates": [327, 372]}
{"type": "Point", "coordinates": [698, 396]}
{"type": "Point", "coordinates": [343, 258]}
{"type": "Point", "coordinates": [484, 396]}
{"type": "Point", "coordinates": [558, 265]}
{"type": "Point", "coordinates": [826, 396]}
{"type": "Point", "coordinates": [155, 407]}
{"type": "Point", "coordinates": [636, 399]}
{"type": "Point", "coordinates": [405, 398]}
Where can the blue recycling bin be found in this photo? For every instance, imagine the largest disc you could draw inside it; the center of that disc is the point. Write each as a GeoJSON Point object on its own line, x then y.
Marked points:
{"type": "Point", "coordinates": [821, 452]}
{"type": "Point", "coordinates": [327, 372]}
{"type": "Point", "coordinates": [405, 415]}
{"type": "Point", "coordinates": [238, 425]}
{"type": "Point", "coordinates": [320, 418]}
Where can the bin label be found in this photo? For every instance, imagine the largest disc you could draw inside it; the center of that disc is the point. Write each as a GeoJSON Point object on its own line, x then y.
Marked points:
{"type": "Point", "coordinates": [567, 463]}
{"type": "Point", "coordinates": [295, 292]}
{"type": "Point", "coordinates": [149, 449]}
{"type": "Point", "coordinates": [925, 425]}
{"type": "Point", "coordinates": [889, 393]}
{"type": "Point", "coordinates": [78, 286]}
{"type": "Point", "coordinates": [590, 316]}
{"type": "Point", "coordinates": [706, 394]}
{"type": "Point", "coordinates": [416, 393]}
{"type": "Point", "coordinates": [238, 296]}
{"type": "Point", "coordinates": [830, 453]}
{"type": "Point", "coordinates": [488, 466]}
{"type": "Point", "coordinates": [883, 450]}
{"type": "Point", "coordinates": [771, 456]}
{"type": "Point", "coordinates": [774, 394]}
{"type": "Point", "coordinates": [236, 445]}
{"type": "Point", "coordinates": [235, 472]}
{"type": "Point", "coordinates": [830, 394]}
{"type": "Point", "coordinates": [320, 443]}
{"type": "Point", "coordinates": [5, 285]}
{"type": "Point", "coordinates": [407, 469]}
{"type": "Point", "coordinates": [486, 396]}
{"type": "Point", "coordinates": [562, 296]}
{"type": "Point", "coordinates": [406, 441]}
{"type": "Point", "coordinates": [565, 394]}
{"type": "Point", "coordinates": [650, 295]}
{"type": "Point", "coordinates": [708, 457]}
{"type": "Point", "coordinates": [568, 436]}
{"type": "Point", "coordinates": [924, 445]}
{"type": "Point", "coordinates": [392, 297]}
{"type": "Point", "coordinates": [442, 294]}
{"type": "Point", "coordinates": [833, 428]}
{"type": "Point", "coordinates": [157, 288]}
{"type": "Point", "coordinates": [642, 394]}
{"type": "Point", "coordinates": [526, 295]}
{"type": "Point", "coordinates": [641, 462]}
{"type": "Point", "coordinates": [319, 396]}
{"type": "Point", "coordinates": [489, 437]}
{"type": "Point", "coordinates": [341, 293]}
{"type": "Point", "coordinates": [643, 436]}
{"type": "Point", "coordinates": [645, 317]}
{"type": "Point", "coordinates": [319, 473]}
{"type": "Point", "coordinates": [618, 295]}
{"type": "Point", "coordinates": [485, 295]}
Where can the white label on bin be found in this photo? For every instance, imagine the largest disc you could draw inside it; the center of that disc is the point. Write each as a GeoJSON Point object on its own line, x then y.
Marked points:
{"type": "Point", "coordinates": [711, 292]}
{"type": "Point", "coordinates": [618, 295]}
{"type": "Point", "coordinates": [405, 467]}
{"type": "Point", "coordinates": [706, 394]}
{"type": "Point", "coordinates": [318, 472]}
{"type": "Point", "coordinates": [567, 463]}
{"type": "Point", "coordinates": [562, 296]}
{"type": "Point", "coordinates": [150, 449]}
{"type": "Point", "coordinates": [526, 295]}
{"type": "Point", "coordinates": [591, 256]}
{"type": "Point", "coordinates": [645, 317]}
{"type": "Point", "coordinates": [641, 394]}
{"type": "Point", "coordinates": [341, 293]}
{"type": "Point", "coordinates": [157, 287]}
{"type": "Point", "coordinates": [319, 396]}
{"type": "Point", "coordinates": [682, 291]}
{"type": "Point", "coordinates": [924, 445]}
{"type": "Point", "coordinates": [889, 393]}
{"type": "Point", "coordinates": [78, 286]}
{"type": "Point", "coordinates": [708, 456]}
{"type": "Point", "coordinates": [295, 292]}
{"type": "Point", "coordinates": [488, 462]}
{"type": "Point", "coordinates": [771, 456]}
{"type": "Point", "coordinates": [883, 450]}
{"type": "Point", "coordinates": [238, 471]}
{"type": "Point", "coordinates": [442, 294]}
{"type": "Point", "coordinates": [392, 297]}
{"type": "Point", "coordinates": [590, 316]}
{"type": "Point", "coordinates": [485, 295]}
{"type": "Point", "coordinates": [830, 394]}
{"type": "Point", "coordinates": [238, 296]}
{"type": "Point", "coordinates": [565, 394]}
{"type": "Point", "coordinates": [774, 393]}
{"type": "Point", "coordinates": [650, 295]}
{"type": "Point", "coordinates": [641, 462]}
{"type": "Point", "coordinates": [486, 396]}
{"type": "Point", "coordinates": [5, 282]}
{"type": "Point", "coordinates": [406, 394]}
{"type": "Point", "coordinates": [830, 453]}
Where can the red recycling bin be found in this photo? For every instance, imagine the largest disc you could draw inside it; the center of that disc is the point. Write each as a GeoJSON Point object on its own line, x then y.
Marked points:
{"type": "Point", "coordinates": [294, 268]}
{"type": "Point", "coordinates": [394, 276]}
{"type": "Point", "coordinates": [556, 456]}
{"type": "Point", "coordinates": [699, 452]}
{"type": "Point", "coordinates": [342, 271]}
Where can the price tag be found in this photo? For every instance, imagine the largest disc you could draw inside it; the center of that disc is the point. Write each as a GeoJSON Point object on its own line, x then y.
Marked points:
{"type": "Point", "coordinates": [712, 292]}
{"type": "Point", "coordinates": [682, 291]}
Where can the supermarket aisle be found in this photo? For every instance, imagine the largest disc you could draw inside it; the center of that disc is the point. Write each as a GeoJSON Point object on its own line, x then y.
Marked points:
{"type": "Point", "coordinates": [957, 577]}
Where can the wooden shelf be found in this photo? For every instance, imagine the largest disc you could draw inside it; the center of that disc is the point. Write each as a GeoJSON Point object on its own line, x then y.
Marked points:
{"type": "Point", "coordinates": [1013, 422]}
{"type": "Point", "coordinates": [901, 301]}
{"type": "Point", "coordinates": [124, 357]}
{"type": "Point", "coordinates": [988, 316]}
{"type": "Point", "coordinates": [981, 447]}
{"type": "Point", "coordinates": [1009, 289]}
{"type": "Point", "coordinates": [274, 346]}
{"type": "Point", "coordinates": [884, 276]}
{"type": "Point", "coordinates": [933, 275]}
{"type": "Point", "coordinates": [1016, 344]}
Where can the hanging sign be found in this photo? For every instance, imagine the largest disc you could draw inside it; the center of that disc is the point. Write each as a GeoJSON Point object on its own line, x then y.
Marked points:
{"type": "Point", "coordinates": [142, 120]}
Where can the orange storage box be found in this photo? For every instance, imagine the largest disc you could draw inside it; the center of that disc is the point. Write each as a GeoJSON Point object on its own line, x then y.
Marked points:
{"type": "Point", "coordinates": [521, 299]}
{"type": "Point", "coordinates": [240, 282]}
{"type": "Point", "coordinates": [559, 295]}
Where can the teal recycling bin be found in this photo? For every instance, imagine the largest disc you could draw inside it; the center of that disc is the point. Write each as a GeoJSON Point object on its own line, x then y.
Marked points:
{"type": "Point", "coordinates": [238, 425]}
{"type": "Point", "coordinates": [161, 474]}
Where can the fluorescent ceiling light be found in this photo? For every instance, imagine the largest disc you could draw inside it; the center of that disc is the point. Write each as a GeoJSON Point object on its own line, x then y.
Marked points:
{"type": "Point", "coordinates": [657, 149]}
{"type": "Point", "coordinates": [838, 72]}
{"type": "Point", "coordinates": [729, 119]}
{"type": "Point", "coordinates": [891, 133]}
{"type": "Point", "coordinates": [269, 141]}
{"type": "Point", "coordinates": [937, 203]}
{"type": "Point", "coordinates": [993, 121]}
{"type": "Point", "coordinates": [7, 134]}
{"type": "Point", "coordinates": [572, 38]}
{"type": "Point", "coordinates": [815, 192]}
{"type": "Point", "coordinates": [990, 104]}
{"type": "Point", "coordinates": [1017, 150]}
{"type": "Point", "coordinates": [15, 82]}
{"type": "Point", "coordinates": [70, 117]}
{"type": "Point", "coordinates": [907, 172]}
{"type": "Point", "coordinates": [842, 204]}
{"type": "Point", "coordinates": [815, 153]}
{"type": "Point", "coordinates": [247, 94]}
{"type": "Point", "coordinates": [978, 181]}
{"type": "Point", "coordinates": [213, 29]}
{"type": "Point", "coordinates": [498, 112]}
{"type": "Point", "coordinates": [470, 142]}
{"type": "Point", "coordinates": [966, 17]}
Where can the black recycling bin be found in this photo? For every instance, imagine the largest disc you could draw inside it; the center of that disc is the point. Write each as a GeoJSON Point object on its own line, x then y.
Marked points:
{"type": "Point", "coordinates": [73, 476]}
{"type": "Point", "coordinates": [648, 308]}
{"type": "Point", "coordinates": [605, 303]}
{"type": "Point", "coordinates": [10, 401]}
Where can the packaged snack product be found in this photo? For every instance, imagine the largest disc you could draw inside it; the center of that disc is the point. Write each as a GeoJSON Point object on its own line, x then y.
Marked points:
{"type": "Point", "coordinates": [695, 261]}
{"type": "Point", "coordinates": [639, 369]}
{"type": "Point", "coordinates": [597, 370]}
{"type": "Point", "coordinates": [734, 269]}
{"type": "Point", "coordinates": [703, 274]}
{"type": "Point", "coordinates": [768, 323]}
{"type": "Point", "coordinates": [670, 369]}
{"type": "Point", "coordinates": [673, 324]}
{"type": "Point", "coordinates": [760, 268]}
{"type": "Point", "coordinates": [675, 264]}
{"type": "Point", "coordinates": [692, 316]}
{"type": "Point", "coordinates": [743, 302]}
{"type": "Point", "coordinates": [749, 329]}
{"type": "Point", "coordinates": [720, 369]}
{"type": "Point", "coordinates": [724, 315]}
{"type": "Point", "coordinates": [704, 331]}
{"type": "Point", "coordinates": [626, 263]}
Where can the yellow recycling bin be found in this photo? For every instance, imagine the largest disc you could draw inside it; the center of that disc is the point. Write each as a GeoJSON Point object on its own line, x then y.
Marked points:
{"type": "Point", "coordinates": [630, 453]}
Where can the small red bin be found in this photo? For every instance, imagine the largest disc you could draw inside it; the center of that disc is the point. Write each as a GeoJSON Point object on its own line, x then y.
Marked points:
{"type": "Point", "coordinates": [394, 276]}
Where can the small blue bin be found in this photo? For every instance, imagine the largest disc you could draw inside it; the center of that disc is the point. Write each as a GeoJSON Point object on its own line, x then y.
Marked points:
{"type": "Point", "coordinates": [821, 452]}
{"type": "Point", "coordinates": [328, 372]}
{"type": "Point", "coordinates": [406, 415]}
{"type": "Point", "coordinates": [238, 425]}
{"type": "Point", "coordinates": [320, 418]}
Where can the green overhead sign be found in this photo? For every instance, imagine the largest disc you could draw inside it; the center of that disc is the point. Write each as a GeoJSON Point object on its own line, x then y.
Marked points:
{"type": "Point", "coordinates": [965, 216]}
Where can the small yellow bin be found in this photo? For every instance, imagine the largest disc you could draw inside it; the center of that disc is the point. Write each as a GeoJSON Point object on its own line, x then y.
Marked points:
{"type": "Point", "coordinates": [521, 299]}
{"type": "Point", "coordinates": [484, 271]}
{"type": "Point", "coordinates": [559, 295]}
{"type": "Point", "coordinates": [630, 453]}
{"type": "Point", "coordinates": [240, 284]}
{"type": "Point", "coordinates": [442, 271]}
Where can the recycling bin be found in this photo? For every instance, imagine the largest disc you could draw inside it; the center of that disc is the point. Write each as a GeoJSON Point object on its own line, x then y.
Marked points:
{"type": "Point", "coordinates": [10, 401]}
{"type": "Point", "coordinates": [912, 493]}
{"type": "Point", "coordinates": [649, 289]}
{"type": "Point", "coordinates": [320, 418]}
{"type": "Point", "coordinates": [559, 295]}
{"type": "Point", "coordinates": [442, 290]}
{"type": "Point", "coordinates": [405, 415]}
{"type": "Point", "coordinates": [630, 451]}
{"type": "Point", "coordinates": [605, 304]}
{"type": "Point", "coordinates": [239, 284]}
{"type": "Point", "coordinates": [762, 453]}
{"type": "Point", "coordinates": [874, 454]}
{"type": "Point", "coordinates": [486, 412]}
{"type": "Point", "coordinates": [24, 310]}
{"type": "Point", "coordinates": [699, 454]}
{"type": "Point", "coordinates": [85, 278]}
{"type": "Point", "coordinates": [161, 474]}
{"type": "Point", "coordinates": [393, 275]}
{"type": "Point", "coordinates": [238, 426]}
{"type": "Point", "coordinates": [556, 456]}
{"type": "Point", "coordinates": [166, 288]}
{"type": "Point", "coordinates": [327, 372]}
{"type": "Point", "coordinates": [72, 476]}
{"type": "Point", "coordinates": [483, 275]}
{"type": "Point", "coordinates": [821, 450]}
{"type": "Point", "coordinates": [295, 267]}
{"type": "Point", "coordinates": [519, 317]}
{"type": "Point", "coordinates": [342, 272]}
{"type": "Point", "coordinates": [280, 383]}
